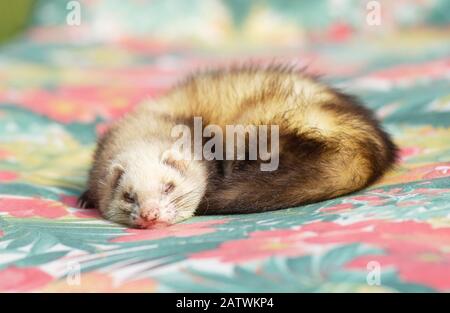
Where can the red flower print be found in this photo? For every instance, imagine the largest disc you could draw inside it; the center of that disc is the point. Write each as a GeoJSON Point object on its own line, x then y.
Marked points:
{"type": "Point", "coordinates": [370, 200]}
{"type": "Point", "coordinates": [430, 70]}
{"type": "Point", "coordinates": [259, 245]}
{"type": "Point", "coordinates": [339, 32]}
{"type": "Point", "coordinates": [408, 152]}
{"type": "Point", "coordinates": [7, 176]}
{"type": "Point", "coordinates": [410, 203]}
{"type": "Point", "coordinates": [25, 207]}
{"type": "Point", "coordinates": [392, 191]}
{"type": "Point", "coordinates": [4, 154]}
{"type": "Point", "coordinates": [399, 192]}
{"type": "Point", "coordinates": [338, 207]}
{"type": "Point", "coordinates": [87, 213]}
{"type": "Point", "coordinates": [22, 279]}
{"type": "Point", "coordinates": [70, 201]}
{"type": "Point", "coordinates": [411, 247]}
{"type": "Point", "coordinates": [417, 250]}
{"type": "Point", "coordinates": [79, 104]}
{"type": "Point", "coordinates": [436, 170]}
{"type": "Point", "coordinates": [439, 171]}
{"type": "Point", "coordinates": [177, 230]}
{"type": "Point", "coordinates": [430, 191]}
{"type": "Point", "coordinates": [395, 236]}
{"type": "Point", "coordinates": [428, 268]}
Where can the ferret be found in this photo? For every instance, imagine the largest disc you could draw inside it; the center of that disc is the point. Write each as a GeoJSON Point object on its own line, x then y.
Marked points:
{"type": "Point", "coordinates": [329, 145]}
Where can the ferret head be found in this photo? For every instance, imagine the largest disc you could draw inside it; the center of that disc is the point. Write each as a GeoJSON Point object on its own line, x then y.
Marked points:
{"type": "Point", "coordinates": [145, 189]}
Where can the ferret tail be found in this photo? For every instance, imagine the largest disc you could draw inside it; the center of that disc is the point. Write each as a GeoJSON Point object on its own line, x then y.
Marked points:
{"type": "Point", "coordinates": [313, 166]}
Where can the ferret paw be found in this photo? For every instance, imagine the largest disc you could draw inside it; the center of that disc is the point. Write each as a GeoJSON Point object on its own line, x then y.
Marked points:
{"type": "Point", "coordinates": [85, 202]}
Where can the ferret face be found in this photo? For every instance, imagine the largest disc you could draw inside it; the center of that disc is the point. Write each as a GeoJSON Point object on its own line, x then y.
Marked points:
{"type": "Point", "coordinates": [149, 191]}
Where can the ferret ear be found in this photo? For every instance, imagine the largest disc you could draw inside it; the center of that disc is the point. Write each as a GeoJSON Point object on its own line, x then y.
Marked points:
{"type": "Point", "coordinates": [175, 159]}
{"type": "Point", "coordinates": [116, 171]}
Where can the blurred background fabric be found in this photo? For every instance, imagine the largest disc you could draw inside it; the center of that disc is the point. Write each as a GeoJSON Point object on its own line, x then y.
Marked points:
{"type": "Point", "coordinates": [221, 22]}
{"type": "Point", "coordinates": [70, 68]}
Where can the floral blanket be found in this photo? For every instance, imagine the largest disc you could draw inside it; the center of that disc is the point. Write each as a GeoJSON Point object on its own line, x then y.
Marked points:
{"type": "Point", "coordinates": [57, 95]}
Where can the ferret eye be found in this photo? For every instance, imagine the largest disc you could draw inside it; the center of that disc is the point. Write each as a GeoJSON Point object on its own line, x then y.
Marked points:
{"type": "Point", "coordinates": [128, 197]}
{"type": "Point", "coordinates": [168, 188]}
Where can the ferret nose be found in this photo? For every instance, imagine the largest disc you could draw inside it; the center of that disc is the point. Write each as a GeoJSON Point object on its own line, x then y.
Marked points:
{"type": "Point", "coordinates": [149, 214]}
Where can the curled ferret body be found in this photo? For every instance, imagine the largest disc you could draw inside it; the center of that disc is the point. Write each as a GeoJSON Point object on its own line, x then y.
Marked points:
{"type": "Point", "coordinates": [329, 145]}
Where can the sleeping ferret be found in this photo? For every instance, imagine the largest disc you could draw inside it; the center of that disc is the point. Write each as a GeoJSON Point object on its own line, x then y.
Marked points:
{"type": "Point", "coordinates": [327, 145]}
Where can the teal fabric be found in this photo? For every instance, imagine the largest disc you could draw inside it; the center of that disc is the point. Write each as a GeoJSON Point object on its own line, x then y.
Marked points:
{"type": "Point", "coordinates": [62, 86]}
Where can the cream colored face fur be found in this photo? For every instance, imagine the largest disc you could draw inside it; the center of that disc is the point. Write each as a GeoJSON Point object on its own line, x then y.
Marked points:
{"type": "Point", "coordinates": [149, 188]}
